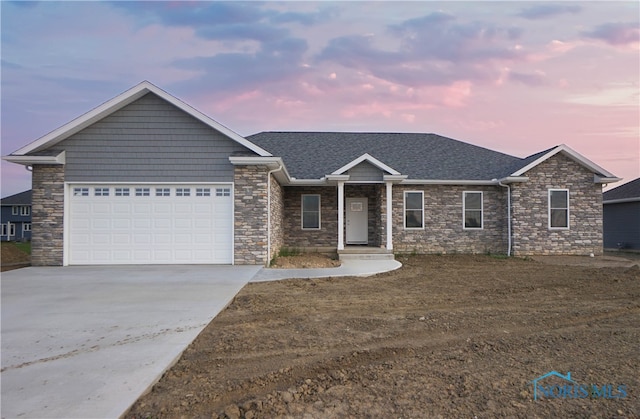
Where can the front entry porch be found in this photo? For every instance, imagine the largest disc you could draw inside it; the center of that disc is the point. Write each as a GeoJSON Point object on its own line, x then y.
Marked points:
{"type": "Point", "coordinates": [365, 253]}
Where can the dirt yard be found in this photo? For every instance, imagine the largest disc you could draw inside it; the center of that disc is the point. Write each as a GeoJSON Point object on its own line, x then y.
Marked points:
{"type": "Point", "coordinates": [13, 256]}
{"type": "Point", "coordinates": [444, 336]}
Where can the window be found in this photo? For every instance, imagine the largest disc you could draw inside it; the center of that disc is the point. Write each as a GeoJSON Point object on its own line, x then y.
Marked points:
{"type": "Point", "coordinates": [558, 208]}
{"type": "Point", "coordinates": [163, 192]}
{"type": "Point", "coordinates": [414, 210]}
{"type": "Point", "coordinates": [4, 230]}
{"type": "Point", "coordinates": [203, 192]}
{"type": "Point", "coordinates": [23, 210]}
{"type": "Point", "coordinates": [80, 191]}
{"type": "Point", "coordinates": [472, 210]}
{"type": "Point", "coordinates": [223, 191]}
{"type": "Point", "coordinates": [26, 227]}
{"type": "Point", "coordinates": [122, 191]}
{"type": "Point", "coordinates": [311, 212]}
{"type": "Point", "coordinates": [144, 192]}
{"type": "Point", "coordinates": [101, 192]}
{"type": "Point", "coordinates": [183, 191]}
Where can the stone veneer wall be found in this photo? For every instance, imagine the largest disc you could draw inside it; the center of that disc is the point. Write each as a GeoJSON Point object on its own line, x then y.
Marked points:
{"type": "Point", "coordinates": [47, 215]}
{"type": "Point", "coordinates": [250, 215]}
{"type": "Point", "coordinates": [531, 234]}
{"type": "Point", "coordinates": [277, 217]}
{"type": "Point", "coordinates": [294, 235]}
{"type": "Point", "coordinates": [443, 232]}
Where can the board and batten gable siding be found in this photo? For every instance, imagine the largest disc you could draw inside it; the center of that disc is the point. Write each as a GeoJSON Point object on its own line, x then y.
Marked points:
{"type": "Point", "coordinates": [365, 172]}
{"type": "Point", "coordinates": [149, 140]}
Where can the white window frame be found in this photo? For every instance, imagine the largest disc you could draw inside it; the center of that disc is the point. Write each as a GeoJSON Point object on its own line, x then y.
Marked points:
{"type": "Point", "coordinates": [101, 191]}
{"type": "Point", "coordinates": [5, 230]}
{"type": "Point", "coordinates": [26, 227]}
{"type": "Point", "coordinates": [319, 212]}
{"type": "Point", "coordinates": [121, 192]}
{"type": "Point", "coordinates": [80, 191]}
{"type": "Point", "coordinates": [12, 230]}
{"type": "Point", "coordinates": [464, 210]}
{"type": "Point", "coordinates": [15, 210]}
{"type": "Point", "coordinates": [25, 210]}
{"type": "Point", "coordinates": [163, 191]}
{"type": "Point", "coordinates": [404, 210]}
{"type": "Point", "coordinates": [183, 191]}
{"type": "Point", "coordinates": [203, 191]}
{"type": "Point", "coordinates": [223, 191]}
{"type": "Point", "coordinates": [549, 209]}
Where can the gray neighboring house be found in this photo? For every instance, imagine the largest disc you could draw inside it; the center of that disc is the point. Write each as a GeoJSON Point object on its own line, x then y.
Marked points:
{"type": "Point", "coordinates": [145, 178]}
{"type": "Point", "coordinates": [15, 213]}
{"type": "Point", "coordinates": [621, 216]}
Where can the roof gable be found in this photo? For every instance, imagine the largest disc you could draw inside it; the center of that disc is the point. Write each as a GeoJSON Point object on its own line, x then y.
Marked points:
{"type": "Point", "coordinates": [369, 159]}
{"type": "Point", "coordinates": [120, 102]}
{"type": "Point", "coordinates": [535, 159]}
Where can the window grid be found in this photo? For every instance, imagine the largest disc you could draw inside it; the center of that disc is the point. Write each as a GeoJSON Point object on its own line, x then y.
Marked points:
{"type": "Point", "coordinates": [223, 191]}
{"type": "Point", "coordinates": [25, 210]}
{"type": "Point", "coordinates": [203, 192]}
{"type": "Point", "coordinates": [414, 210]}
{"type": "Point", "coordinates": [473, 210]}
{"type": "Point", "coordinates": [101, 192]}
{"type": "Point", "coordinates": [26, 227]}
{"type": "Point", "coordinates": [80, 191]}
{"type": "Point", "coordinates": [4, 229]}
{"type": "Point", "coordinates": [143, 191]}
{"type": "Point", "coordinates": [122, 191]}
{"type": "Point", "coordinates": [183, 191]}
{"type": "Point", "coordinates": [163, 192]}
{"type": "Point", "coordinates": [14, 211]}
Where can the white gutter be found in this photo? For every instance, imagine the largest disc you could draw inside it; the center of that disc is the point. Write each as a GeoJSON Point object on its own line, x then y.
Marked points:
{"type": "Point", "coordinates": [508, 215]}
{"type": "Point", "coordinates": [280, 167]}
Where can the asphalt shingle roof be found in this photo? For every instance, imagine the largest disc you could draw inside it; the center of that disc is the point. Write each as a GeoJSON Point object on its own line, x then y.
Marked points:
{"type": "Point", "coordinates": [626, 191]}
{"type": "Point", "coordinates": [312, 155]}
{"type": "Point", "coordinates": [22, 198]}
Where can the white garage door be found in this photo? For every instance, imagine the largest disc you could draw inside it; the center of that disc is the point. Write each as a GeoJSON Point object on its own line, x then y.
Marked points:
{"type": "Point", "coordinates": [150, 224]}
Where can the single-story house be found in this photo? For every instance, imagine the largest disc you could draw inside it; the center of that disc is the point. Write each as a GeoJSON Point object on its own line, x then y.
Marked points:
{"type": "Point", "coordinates": [621, 211]}
{"type": "Point", "coordinates": [145, 178]}
{"type": "Point", "coordinates": [15, 212]}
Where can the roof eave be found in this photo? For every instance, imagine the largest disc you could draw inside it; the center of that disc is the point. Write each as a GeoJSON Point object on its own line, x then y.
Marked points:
{"type": "Point", "coordinates": [33, 160]}
{"type": "Point", "coordinates": [602, 179]}
{"type": "Point", "coordinates": [572, 154]}
{"type": "Point", "coordinates": [621, 200]}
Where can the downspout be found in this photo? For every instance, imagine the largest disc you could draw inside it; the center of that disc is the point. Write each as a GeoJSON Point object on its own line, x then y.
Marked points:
{"type": "Point", "coordinates": [269, 210]}
{"type": "Point", "coordinates": [508, 215]}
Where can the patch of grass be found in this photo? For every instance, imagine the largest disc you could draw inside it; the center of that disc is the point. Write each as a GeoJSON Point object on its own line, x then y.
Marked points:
{"type": "Point", "coordinates": [24, 246]}
{"type": "Point", "coordinates": [288, 251]}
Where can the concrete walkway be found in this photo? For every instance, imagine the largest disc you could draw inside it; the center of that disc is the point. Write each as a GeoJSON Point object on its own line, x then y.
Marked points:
{"type": "Point", "coordinates": [348, 268]}
{"type": "Point", "coordinates": [86, 342]}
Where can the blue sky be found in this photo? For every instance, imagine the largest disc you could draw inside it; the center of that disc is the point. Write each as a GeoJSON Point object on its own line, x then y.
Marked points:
{"type": "Point", "coordinates": [517, 77]}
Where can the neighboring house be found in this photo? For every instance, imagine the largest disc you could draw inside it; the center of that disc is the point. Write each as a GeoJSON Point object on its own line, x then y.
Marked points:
{"type": "Point", "coordinates": [16, 217]}
{"type": "Point", "coordinates": [146, 178]}
{"type": "Point", "coordinates": [621, 209]}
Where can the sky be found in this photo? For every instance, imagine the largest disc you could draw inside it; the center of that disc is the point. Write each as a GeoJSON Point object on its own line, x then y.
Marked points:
{"type": "Point", "coordinates": [516, 77]}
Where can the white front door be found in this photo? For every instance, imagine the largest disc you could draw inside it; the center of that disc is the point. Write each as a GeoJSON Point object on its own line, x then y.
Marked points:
{"type": "Point", "coordinates": [357, 221]}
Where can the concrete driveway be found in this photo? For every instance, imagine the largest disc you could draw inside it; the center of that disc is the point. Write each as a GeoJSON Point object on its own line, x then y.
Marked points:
{"type": "Point", "coordinates": [86, 342]}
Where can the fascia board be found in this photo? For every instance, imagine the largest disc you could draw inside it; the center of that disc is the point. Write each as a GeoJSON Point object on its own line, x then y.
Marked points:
{"type": "Point", "coordinates": [600, 179]}
{"type": "Point", "coordinates": [621, 201]}
{"type": "Point", "coordinates": [448, 182]}
{"type": "Point", "coordinates": [572, 154]}
{"type": "Point", "coordinates": [31, 160]}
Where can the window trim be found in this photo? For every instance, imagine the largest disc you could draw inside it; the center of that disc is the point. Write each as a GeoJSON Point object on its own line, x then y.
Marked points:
{"type": "Point", "coordinates": [5, 230]}
{"type": "Point", "coordinates": [26, 227]}
{"type": "Point", "coordinates": [25, 211]}
{"type": "Point", "coordinates": [464, 210]}
{"type": "Point", "coordinates": [319, 212]}
{"type": "Point", "coordinates": [15, 210]}
{"type": "Point", "coordinates": [549, 209]}
{"type": "Point", "coordinates": [404, 210]}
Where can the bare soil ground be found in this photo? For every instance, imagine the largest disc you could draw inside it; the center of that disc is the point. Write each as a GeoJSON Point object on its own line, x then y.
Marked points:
{"type": "Point", "coordinates": [305, 260]}
{"type": "Point", "coordinates": [12, 257]}
{"type": "Point", "coordinates": [444, 336]}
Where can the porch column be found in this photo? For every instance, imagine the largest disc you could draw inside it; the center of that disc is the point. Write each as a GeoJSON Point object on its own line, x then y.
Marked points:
{"type": "Point", "coordinates": [341, 215]}
{"type": "Point", "coordinates": [389, 220]}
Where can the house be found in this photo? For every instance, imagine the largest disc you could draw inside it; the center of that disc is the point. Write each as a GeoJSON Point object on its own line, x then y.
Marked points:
{"type": "Point", "coordinates": [621, 212]}
{"type": "Point", "coordinates": [16, 217]}
{"type": "Point", "coordinates": [145, 178]}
